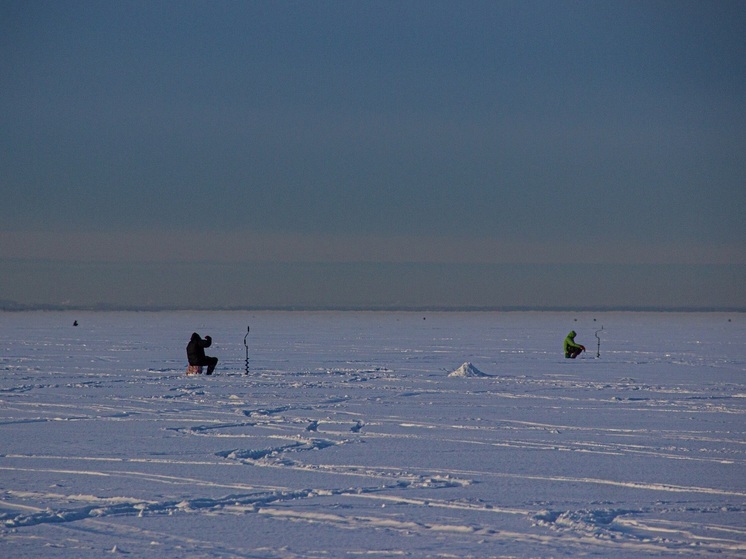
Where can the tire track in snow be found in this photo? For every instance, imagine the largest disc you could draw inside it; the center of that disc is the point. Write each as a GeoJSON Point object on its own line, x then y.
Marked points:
{"type": "Point", "coordinates": [103, 507]}
{"type": "Point", "coordinates": [586, 532]}
{"type": "Point", "coordinates": [626, 528]}
{"type": "Point", "coordinates": [562, 444]}
{"type": "Point", "coordinates": [645, 486]}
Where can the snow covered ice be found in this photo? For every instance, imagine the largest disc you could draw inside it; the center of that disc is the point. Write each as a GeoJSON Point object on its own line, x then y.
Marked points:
{"type": "Point", "coordinates": [349, 438]}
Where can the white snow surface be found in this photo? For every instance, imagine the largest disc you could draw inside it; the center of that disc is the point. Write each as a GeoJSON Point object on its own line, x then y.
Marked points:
{"type": "Point", "coordinates": [348, 438]}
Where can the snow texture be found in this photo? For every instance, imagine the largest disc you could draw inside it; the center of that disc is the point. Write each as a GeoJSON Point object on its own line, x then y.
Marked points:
{"type": "Point", "coordinates": [347, 439]}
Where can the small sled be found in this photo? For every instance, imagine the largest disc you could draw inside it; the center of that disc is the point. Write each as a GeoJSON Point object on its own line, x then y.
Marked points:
{"type": "Point", "coordinates": [194, 370]}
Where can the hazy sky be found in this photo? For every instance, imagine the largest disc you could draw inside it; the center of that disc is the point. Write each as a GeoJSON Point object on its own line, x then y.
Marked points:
{"type": "Point", "coordinates": [373, 153]}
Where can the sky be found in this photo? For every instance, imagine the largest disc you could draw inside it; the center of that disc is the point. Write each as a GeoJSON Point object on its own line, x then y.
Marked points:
{"type": "Point", "coordinates": [373, 154]}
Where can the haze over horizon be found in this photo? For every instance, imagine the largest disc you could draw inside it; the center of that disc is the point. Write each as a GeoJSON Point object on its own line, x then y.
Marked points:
{"type": "Point", "coordinates": [527, 154]}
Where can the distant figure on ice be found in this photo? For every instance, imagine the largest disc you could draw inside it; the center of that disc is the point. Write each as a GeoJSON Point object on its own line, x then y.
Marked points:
{"type": "Point", "coordinates": [572, 350]}
{"type": "Point", "coordinates": [196, 353]}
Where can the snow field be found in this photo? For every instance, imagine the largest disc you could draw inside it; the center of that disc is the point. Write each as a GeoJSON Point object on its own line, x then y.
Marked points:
{"type": "Point", "coordinates": [349, 437]}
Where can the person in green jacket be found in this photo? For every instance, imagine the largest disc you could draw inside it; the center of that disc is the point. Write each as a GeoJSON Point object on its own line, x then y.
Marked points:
{"type": "Point", "coordinates": [572, 350]}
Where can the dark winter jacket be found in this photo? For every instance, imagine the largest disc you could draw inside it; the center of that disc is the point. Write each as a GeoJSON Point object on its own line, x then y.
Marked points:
{"type": "Point", "coordinates": [196, 349]}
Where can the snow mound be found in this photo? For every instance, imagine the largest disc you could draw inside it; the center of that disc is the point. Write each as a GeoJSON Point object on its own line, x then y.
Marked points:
{"type": "Point", "coordinates": [467, 370]}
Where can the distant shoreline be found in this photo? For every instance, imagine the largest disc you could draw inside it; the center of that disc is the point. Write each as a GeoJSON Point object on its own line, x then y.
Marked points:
{"type": "Point", "coordinates": [6, 306]}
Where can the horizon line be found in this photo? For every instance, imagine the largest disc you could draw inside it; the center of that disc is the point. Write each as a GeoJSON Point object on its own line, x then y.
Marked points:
{"type": "Point", "coordinates": [11, 306]}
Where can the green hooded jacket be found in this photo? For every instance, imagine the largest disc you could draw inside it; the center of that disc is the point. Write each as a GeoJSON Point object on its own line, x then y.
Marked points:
{"type": "Point", "coordinates": [570, 343]}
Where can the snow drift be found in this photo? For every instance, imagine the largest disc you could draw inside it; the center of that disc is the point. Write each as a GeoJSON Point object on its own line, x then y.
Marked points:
{"type": "Point", "coordinates": [467, 370]}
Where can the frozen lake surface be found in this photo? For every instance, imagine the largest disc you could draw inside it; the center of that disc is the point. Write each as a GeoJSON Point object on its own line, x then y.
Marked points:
{"type": "Point", "coordinates": [349, 438]}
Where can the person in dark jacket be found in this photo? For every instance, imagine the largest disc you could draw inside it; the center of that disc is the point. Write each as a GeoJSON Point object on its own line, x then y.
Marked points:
{"type": "Point", "coordinates": [196, 353]}
{"type": "Point", "coordinates": [572, 350]}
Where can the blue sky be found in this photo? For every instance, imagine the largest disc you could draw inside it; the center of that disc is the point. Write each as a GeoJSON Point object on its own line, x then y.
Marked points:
{"type": "Point", "coordinates": [547, 142]}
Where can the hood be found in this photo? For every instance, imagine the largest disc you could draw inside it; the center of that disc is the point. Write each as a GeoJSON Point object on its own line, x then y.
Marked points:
{"type": "Point", "coordinates": [572, 335]}
{"type": "Point", "coordinates": [195, 336]}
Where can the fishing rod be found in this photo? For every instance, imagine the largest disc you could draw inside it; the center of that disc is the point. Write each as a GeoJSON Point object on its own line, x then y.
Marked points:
{"type": "Point", "coordinates": [598, 345]}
